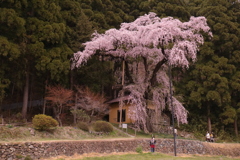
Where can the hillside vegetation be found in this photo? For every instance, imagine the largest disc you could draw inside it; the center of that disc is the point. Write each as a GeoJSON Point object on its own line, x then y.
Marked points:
{"type": "Point", "coordinates": [38, 40]}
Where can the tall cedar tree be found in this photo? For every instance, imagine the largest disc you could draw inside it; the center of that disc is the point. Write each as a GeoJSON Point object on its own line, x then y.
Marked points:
{"type": "Point", "coordinates": [213, 84]}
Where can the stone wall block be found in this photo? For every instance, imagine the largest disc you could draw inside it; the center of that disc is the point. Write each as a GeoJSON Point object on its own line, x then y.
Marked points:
{"type": "Point", "coordinates": [40, 150]}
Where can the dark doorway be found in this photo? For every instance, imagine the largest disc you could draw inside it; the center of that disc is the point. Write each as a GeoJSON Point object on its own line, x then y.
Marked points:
{"type": "Point", "coordinates": [123, 115]}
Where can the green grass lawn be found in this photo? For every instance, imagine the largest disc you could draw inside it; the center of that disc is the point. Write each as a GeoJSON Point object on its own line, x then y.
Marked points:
{"type": "Point", "coordinates": [156, 156]}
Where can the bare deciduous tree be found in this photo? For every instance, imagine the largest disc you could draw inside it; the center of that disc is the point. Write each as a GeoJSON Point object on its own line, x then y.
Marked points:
{"type": "Point", "coordinates": [91, 102]}
{"type": "Point", "coordinates": [59, 97]}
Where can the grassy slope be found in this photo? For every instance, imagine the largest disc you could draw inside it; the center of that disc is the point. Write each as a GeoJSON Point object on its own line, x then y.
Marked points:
{"type": "Point", "coordinates": [9, 133]}
{"type": "Point", "coordinates": [14, 134]}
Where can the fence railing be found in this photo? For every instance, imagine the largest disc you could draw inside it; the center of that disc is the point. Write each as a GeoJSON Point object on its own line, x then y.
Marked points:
{"type": "Point", "coordinates": [34, 103]}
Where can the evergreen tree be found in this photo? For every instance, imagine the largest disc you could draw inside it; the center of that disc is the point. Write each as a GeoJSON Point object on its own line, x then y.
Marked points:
{"type": "Point", "coordinates": [12, 27]}
{"type": "Point", "coordinates": [210, 83]}
{"type": "Point", "coordinates": [173, 8]}
{"type": "Point", "coordinates": [41, 41]}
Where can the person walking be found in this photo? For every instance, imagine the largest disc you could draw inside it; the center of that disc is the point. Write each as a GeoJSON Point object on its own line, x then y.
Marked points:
{"type": "Point", "coordinates": [152, 144]}
{"type": "Point", "coordinates": [211, 137]}
{"type": "Point", "coordinates": [208, 137]}
{"type": "Point", "coordinates": [175, 132]}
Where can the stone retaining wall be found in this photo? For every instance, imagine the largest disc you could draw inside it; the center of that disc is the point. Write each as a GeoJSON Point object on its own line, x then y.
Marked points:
{"type": "Point", "coordinates": [41, 150]}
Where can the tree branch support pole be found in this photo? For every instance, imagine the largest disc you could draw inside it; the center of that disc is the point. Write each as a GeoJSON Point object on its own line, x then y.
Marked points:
{"type": "Point", "coordinates": [122, 94]}
{"type": "Point", "coordinates": [171, 102]}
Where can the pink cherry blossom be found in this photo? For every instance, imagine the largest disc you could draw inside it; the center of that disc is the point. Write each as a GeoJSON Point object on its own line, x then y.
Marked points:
{"type": "Point", "coordinates": [148, 45]}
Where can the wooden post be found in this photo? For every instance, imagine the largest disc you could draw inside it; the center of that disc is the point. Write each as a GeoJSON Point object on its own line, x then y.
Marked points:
{"type": "Point", "coordinates": [122, 94]}
{"type": "Point", "coordinates": [171, 103]}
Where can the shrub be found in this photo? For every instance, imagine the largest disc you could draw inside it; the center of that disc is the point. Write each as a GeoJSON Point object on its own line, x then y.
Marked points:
{"type": "Point", "coordinates": [83, 126]}
{"type": "Point", "coordinates": [10, 126]}
{"type": "Point", "coordinates": [27, 158]}
{"type": "Point", "coordinates": [139, 149]}
{"type": "Point", "coordinates": [19, 117]}
{"type": "Point", "coordinates": [81, 115]}
{"type": "Point", "coordinates": [43, 122]}
{"type": "Point", "coordinates": [19, 156]}
{"type": "Point", "coordinates": [102, 126]}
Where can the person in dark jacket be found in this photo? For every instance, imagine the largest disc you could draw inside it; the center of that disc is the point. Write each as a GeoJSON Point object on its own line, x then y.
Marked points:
{"type": "Point", "coordinates": [152, 144]}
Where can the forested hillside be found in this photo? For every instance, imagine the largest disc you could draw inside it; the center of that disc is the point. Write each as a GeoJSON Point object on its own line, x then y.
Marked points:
{"type": "Point", "coordinates": [38, 39]}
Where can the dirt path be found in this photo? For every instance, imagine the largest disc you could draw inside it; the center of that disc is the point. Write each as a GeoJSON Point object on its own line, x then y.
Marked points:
{"type": "Point", "coordinates": [224, 145]}
{"type": "Point", "coordinates": [72, 140]}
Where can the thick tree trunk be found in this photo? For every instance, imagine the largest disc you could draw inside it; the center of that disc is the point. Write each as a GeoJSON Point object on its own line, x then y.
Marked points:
{"type": "Point", "coordinates": [30, 97]}
{"type": "Point", "coordinates": [236, 126]}
{"type": "Point", "coordinates": [75, 111]}
{"type": "Point", "coordinates": [151, 120]}
{"type": "Point", "coordinates": [209, 119]}
{"type": "Point", "coordinates": [127, 73]}
{"type": "Point", "coordinates": [25, 97]}
{"type": "Point", "coordinates": [59, 120]}
{"type": "Point", "coordinates": [44, 100]}
{"type": "Point", "coordinates": [57, 115]}
{"type": "Point", "coordinates": [2, 119]}
{"type": "Point", "coordinates": [44, 106]}
{"type": "Point", "coordinates": [156, 69]}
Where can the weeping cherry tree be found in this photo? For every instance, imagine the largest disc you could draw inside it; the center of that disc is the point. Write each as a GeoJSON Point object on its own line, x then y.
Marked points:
{"type": "Point", "coordinates": [147, 47]}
